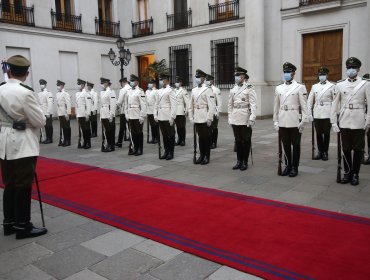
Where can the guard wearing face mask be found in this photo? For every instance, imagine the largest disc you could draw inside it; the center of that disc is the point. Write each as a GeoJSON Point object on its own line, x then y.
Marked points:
{"type": "Point", "coordinates": [242, 108]}
{"type": "Point", "coordinates": [165, 114]}
{"type": "Point", "coordinates": [83, 101]}
{"type": "Point", "coordinates": [107, 115]}
{"type": "Point", "coordinates": [151, 98]}
{"type": "Point", "coordinates": [182, 99]}
{"type": "Point", "coordinates": [94, 109]}
{"type": "Point", "coordinates": [218, 105]}
{"type": "Point", "coordinates": [64, 112]}
{"type": "Point", "coordinates": [125, 87]}
{"type": "Point", "coordinates": [201, 112]}
{"type": "Point", "coordinates": [367, 162]}
{"type": "Point", "coordinates": [319, 107]}
{"type": "Point", "coordinates": [46, 102]}
{"type": "Point", "coordinates": [349, 118]}
{"type": "Point", "coordinates": [290, 116]}
{"type": "Point", "coordinates": [135, 114]}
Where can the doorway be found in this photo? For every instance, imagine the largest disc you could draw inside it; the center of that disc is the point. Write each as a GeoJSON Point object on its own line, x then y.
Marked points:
{"type": "Point", "coordinates": [143, 62]}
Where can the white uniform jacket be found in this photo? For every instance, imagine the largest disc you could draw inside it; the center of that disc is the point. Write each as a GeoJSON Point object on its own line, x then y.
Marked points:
{"type": "Point", "coordinates": [349, 105]}
{"type": "Point", "coordinates": [107, 104]}
{"type": "Point", "coordinates": [122, 98]}
{"type": "Point", "coordinates": [182, 99]}
{"type": "Point", "coordinates": [46, 102]}
{"type": "Point", "coordinates": [21, 104]}
{"type": "Point", "coordinates": [94, 100]}
{"type": "Point", "coordinates": [218, 100]}
{"type": "Point", "coordinates": [151, 99]}
{"type": "Point", "coordinates": [83, 101]}
{"type": "Point", "coordinates": [136, 104]}
{"type": "Point", "coordinates": [242, 104]}
{"type": "Point", "coordinates": [166, 104]}
{"type": "Point", "coordinates": [290, 100]}
{"type": "Point", "coordinates": [320, 99]}
{"type": "Point", "coordinates": [63, 103]}
{"type": "Point", "coordinates": [201, 106]}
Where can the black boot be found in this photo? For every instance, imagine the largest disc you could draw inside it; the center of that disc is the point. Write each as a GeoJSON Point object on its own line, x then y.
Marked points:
{"type": "Point", "coordinates": [166, 149]}
{"type": "Point", "coordinates": [8, 228]}
{"type": "Point", "coordinates": [318, 156]}
{"type": "Point", "coordinates": [140, 142]}
{"type": "Point", "coordinates": [239, 156]}
{"type": "Point", "coordinates": [28, 230]}
{"type": "Point", "coordinates": [286, 171]}
{"type": "Point", "coordinates": [355, 180]}
{"type": "Point", "coordinates": [200, 159]}
{"type": "Point", "coordinates": [293, 172]}
{"type": "Point", "coordinates": [205, 160]}
{"type": "Point", "coordinates": [325, 156]}
{"type": "Point", "coordinates": [347, 177]}
{"type": "Point", "coordinates": [214, 138]}
{"type": "Point", "coordinates": [171, 148]}
{"type": "Point", "coordinates": [133, 149]}
{"type": "Point", "coordinates": [245, 153]}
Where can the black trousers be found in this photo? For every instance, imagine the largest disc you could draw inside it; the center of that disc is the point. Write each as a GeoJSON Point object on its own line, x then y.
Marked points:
{"type": "Point", "coordinates": [136, 133]}
{"type": "Point", "coordinates": [108, 132]}
{"type": "Point", "coordinates": [180, 122]}
{"type": "Point", "coordinates": [322, 127]}
{"type": "Point", "coordinates": [122, 128]}
{"type": "Point", "coordinates": [214, 130]}
{"type": "Point", "coordinates": [204, 138]}
{"type": "Point", "coordinates": [154, 127]}
{"type": "Point", "coordinates": [18, 176]}
{"type": "Point", "coordinates": [84, 130]}
{"type": "Point", "coordinates": [65, 129]}
{"type": "Point", "coordinates": [94, 123]}
{"type": "Point", "coordinates": [291, 140]}
{"type": "Point", "coordinates": [49, 128]}
{"type": "Point", "coordinates": [243, 141]}
{"type": "Point", "coordinates": [168, 135]}
{"type": "Point", "coordinates": [368, 141]}
{"type": "Point", "coordinates": [352, 140]}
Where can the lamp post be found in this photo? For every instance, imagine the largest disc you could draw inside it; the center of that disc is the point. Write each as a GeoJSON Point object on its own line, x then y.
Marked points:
{"type": "Point", "coordinates": [124, 55]}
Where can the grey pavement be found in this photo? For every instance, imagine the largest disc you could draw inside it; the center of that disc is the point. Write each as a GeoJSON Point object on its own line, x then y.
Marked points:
{"type": "Point", "coordinates": [78, 248]}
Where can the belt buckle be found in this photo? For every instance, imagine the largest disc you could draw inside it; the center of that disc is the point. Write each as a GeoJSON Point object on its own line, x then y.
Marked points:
{"type": "Point", "coordinates": [321, 103]}
{"type": "Point", "coordinates": [350, 106]}
{"type": "Point", "coordinates": [286, 107]}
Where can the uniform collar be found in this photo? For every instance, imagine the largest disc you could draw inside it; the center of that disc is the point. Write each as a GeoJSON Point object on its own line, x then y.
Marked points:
{"type": "Point", "coordinates": [352, 80]}
{"type": "Point", "coordinates": [323, 83]}
{"type": "Point", "coordinates": [290, 82]}
{"type": "Point", "coordinates": [14, 81]}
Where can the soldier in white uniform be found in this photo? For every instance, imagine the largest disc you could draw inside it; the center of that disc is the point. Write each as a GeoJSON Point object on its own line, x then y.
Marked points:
{"type": "Point", "coordinates": [20, 119]}
{"type": "Point", "coordinates": [83, 101]}
{"type": "Point", "coordinates": [94, 109]}
{"type": "Point", "coordinates": [290, 116]}
{"type": "Point", "coordinates": [201, 112]}
{"type": "Point", "coordinates": [319, 107]}
{"type": "Point", "coordinates": [367, 162]}
{"type": "Point", "coordinates": [46, 102]}
{"type": "Point", "coordinates": [107, 115]}
{"type": "Point", "coordinates": [135, 114]}
{"type": "Point", "coordinates": [242, 108]}
{"type": "Point", "coordinates": [218, 105]}
{"type": "Point", "coordinates": [151, 97]}
{"type": "Point", "coordinates": [64, 112]}
{"type": "Point", "coordinates": [165, 114]}
{"type": "Point", "coordinates": [182, 98]}
{"type": "Point", "coordinates": [349, 118]}
{"type": "Point", "coordinates": [125, 87]}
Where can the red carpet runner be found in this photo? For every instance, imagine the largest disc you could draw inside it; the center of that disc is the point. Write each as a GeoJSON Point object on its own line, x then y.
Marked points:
{"type": "Point", "coordinates": [266, 238]}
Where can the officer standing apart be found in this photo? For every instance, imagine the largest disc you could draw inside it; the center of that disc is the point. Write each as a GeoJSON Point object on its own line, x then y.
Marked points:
{"type": "Point", "coordinates": [290, 116]}
{"type": "Point", "coordinates": [94, 109]}
{"type": "Point", "coordinates": [319, 104]}
{"type": "Point", "coordinates": [348, 118]}
{"type": "Point", "coordinates": [107, 115]}
{"type": "Point", "coordinates": [165, 114]}
{"type": "Point", "coordinates": [20, 119]}
{"type": "Point", "coordinates": [46, 102]}
{"type": "Point", "coordinates": [64, 112]}
{"type": "Point", "coordinates": [182, 99]}
{"type": "Point", "coordinates": [218, 105]}
{"type": "Point", "coordinates": [125, 87]}
{"type": "Point", "coordinates": [201, 112]}
{"type": "Point", "coordinates": [242, 108]}
{"type": "Point", "coordinates": [135, 114]}
{"type": "Point", "coordinates": [83, 101]}
{"type": "Point", "coordinates": [151, 98]}
{"type": "Point", "coordinates": [367, 162]}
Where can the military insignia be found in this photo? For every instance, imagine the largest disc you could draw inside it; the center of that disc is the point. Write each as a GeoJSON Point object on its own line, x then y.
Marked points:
{"type": "Point", "coordinates": [212, 96]}
{"type": "Point", "coordinates": [27, 87]}
{"type": "Point", "coordinates": [249, 86]}
{"type": "Point", "coordinates": [143, 96]}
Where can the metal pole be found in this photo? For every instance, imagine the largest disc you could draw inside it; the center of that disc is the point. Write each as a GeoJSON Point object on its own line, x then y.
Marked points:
{"type": "Point", "coordinates": [121, 60]}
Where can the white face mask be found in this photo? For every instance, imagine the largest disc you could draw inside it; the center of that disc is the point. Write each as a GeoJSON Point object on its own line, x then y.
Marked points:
{"type": "Point", "coordinates": [237, 79]}
{"type": "Point", "coordinates": [81, 87]}
{"type": "Point", "coordinates": [351, 73]}
{"type": "Point", "coordinates": [198, 81]}
{"type": "Point", "coordinates": [150, 86]}
{"type": "Point", "coordinates": [177, 85]}
{"type": "Point", "coordinates": [161, 84]}
{"type": "Point", "coordinates": [322, 78]}
{"type": "Point", "coordinates": [132, 84]}
{"type": "Point", "coordinates": [59, 88]}
{"type": "Point", "coordinates": [102, 86]}
{"type": "Point", "coordinates": [208, 83]}
{"type": "Point", "coordinates": [42, 86]}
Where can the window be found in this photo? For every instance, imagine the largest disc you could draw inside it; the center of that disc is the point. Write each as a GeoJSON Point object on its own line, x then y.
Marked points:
{"type": "Point", "coordinates": [142, 9]}
{"type": "Point", "coordinates": [105, 10]}
{"type": "Point", "coordinates": [181, 64]}
{"type": "Point", "coordinates": [224, 59]}
{"type": "Point", "coordinates": [64, 6]}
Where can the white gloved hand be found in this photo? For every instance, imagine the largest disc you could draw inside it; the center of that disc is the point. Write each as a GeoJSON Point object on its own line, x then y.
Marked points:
{"type": "Point", "coordinates": [67, 117]}
{"type": "Point", "coordinates": [87, 118]}
{"type": "Point", "coordinates": [276, 126]}
{"type": "Point", "coordinates": [49, 115]}
{"type": "Point", "coordinates": [155, 119]}
{"type": "Point", "coordinates": [229, 121]}
{"type": "Point", "coordinates": [141, 120]}
{"type": "Point", "coordinates": [366, 128]}
{"type": "Point", "coordinates": [251, 123]}
{"type": "Point", "coordinates": [301, 127]}
{"type": "Point", "coordinates": [217, 115]}
{"type": "Point", "coordinates": [171, 121]}
{"type": "Point", "coordinates": [310, 118]}
{"type": "Point", "coordinates": [110, 119]}
{"type": "Point", "coordinates": [209, 123]}
{"type": "Point", "coordinates": [95, 112]}
{"type": "Point", "coordinates": [335, 128]}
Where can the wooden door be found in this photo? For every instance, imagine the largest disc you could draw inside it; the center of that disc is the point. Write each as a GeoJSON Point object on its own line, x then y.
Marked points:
{"type": "Point", "coordinates": [322, 49]}
{"type": "Point", "coordinates": [143, 65]}
{"type": "Point", "coordinates": [181, 18]}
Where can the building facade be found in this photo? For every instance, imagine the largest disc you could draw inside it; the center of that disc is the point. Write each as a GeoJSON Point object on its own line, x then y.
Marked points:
{"type": "Point", "coordinates": [71, 38]}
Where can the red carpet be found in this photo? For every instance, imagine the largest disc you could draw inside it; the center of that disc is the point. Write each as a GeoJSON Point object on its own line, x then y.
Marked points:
{"type": "Point", "coordinates": [266, 238]}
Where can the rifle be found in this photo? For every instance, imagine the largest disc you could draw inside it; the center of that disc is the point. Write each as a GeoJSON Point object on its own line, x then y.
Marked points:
{"type": "Point", "coordinates": [147, 130]}
{"type": "Point", "coordinates": [104, 138]}
{"type": "Point", "coordinates": [40, 202]}
{"type": "Point", "coordinates": [42, 135]}
{"type": "Point", "coordinates": [80, 132]}
{"type": "Point", "coordinates": [159, 144]}
{"type": "Point", "coordinates": [280, 155]}
{"type": "Point", "coordinates": [339, 154]}
{"type": "Point", "coordinates": [313, 138]}
{"type": "Point", "coordinates": [195, 144]}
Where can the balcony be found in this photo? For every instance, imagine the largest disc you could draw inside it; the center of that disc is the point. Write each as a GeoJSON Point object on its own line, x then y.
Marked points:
{"type": "Point", "coordinates": [179, 20]}
{"type": "Point", "coordinates": [313, 2]}
{"type": "Point", "coordinates": [142, 28]}
{"type": "Point", "coordinates": [107, 28]}
{"type": "Point", "coordinates": [17, 14]}
{"type": "Point", "coordinates": [224, 11]}
{"type": "Point", "coordinates": [66, 22]}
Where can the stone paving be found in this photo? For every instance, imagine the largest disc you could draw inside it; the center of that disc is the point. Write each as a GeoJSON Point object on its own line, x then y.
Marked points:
{"type": "Point", "coordinates": [78, 248]}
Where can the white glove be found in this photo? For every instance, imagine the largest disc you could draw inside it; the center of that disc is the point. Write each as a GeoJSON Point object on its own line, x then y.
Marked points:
{"type": "Point", "coordinates": [366, 128]}
{"type": "Point", "coordinates": [87, 118]}
{"type": "Point", "coordinates": [110, 119]}
{"type": "Point", "coordinates": [191, 121]}
{"type": "Point", "coordinates": [310, 118]}
{"type": "Point", "coordinates": [67, 117]}
{"type": "Point", "coordinates": [141, 120]}
{"type": "Point", "coordinates": [251, 123]}
{"type": "Point", "coordinates": [229, 121]}
{"type": "Point", "coordinates": [217, 115]}
{"type": "Point", "coordinates": [95, 112]}
{"type": "Point", "coordinates": [301, 127]}
{"type": "Point", "coordinates": [155, 119]}
{"type": "Point", "coordinates": [171, 121]}
{"type": "Point", "coordinates": [49, 116]}
{"type": "Point", "coordinates": [276, 126]}
{"type": "Point", "coordinates": [186, 113]}
{"type": "Point", "coordinates": [209, 123]}
{"type": "Point", "coordinates": [335, 128]}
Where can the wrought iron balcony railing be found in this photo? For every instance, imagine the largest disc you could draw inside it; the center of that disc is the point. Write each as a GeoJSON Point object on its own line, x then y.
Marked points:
{"type": "Point", "coordinates": [224, 11]}
{"type": "Point", "coordinates": [179, 20]}
{"type": "Point", "coordinates": [66, 22]}
{"type": "Point", "coordinates": [17, 14]}
{"type": "Point", "coordinates": [142, 28]}
{"type": "Point", "coordinates": [312, 2]}
{"type": "Point", "coordinates": [107, 28]}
